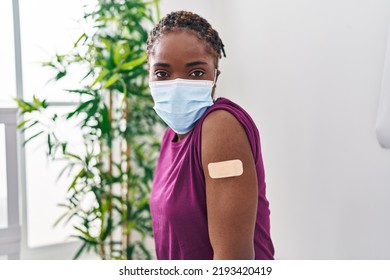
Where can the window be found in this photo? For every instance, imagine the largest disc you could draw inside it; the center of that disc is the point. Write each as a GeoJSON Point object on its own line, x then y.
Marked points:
{"type": "Point", "coordinates": [9, 212]}
{"type": "Point", "coordinates": [3, 180]}
{"type": "Point", "coordinates": [44, 191]}
{"type": "Point", "coordinates": [7, 77]}
{"type": "Point", "coordinates": [47, 27]}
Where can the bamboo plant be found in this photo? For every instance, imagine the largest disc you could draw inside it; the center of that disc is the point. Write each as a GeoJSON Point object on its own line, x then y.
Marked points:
{"type": "Point", "coordinates": [107, 201]}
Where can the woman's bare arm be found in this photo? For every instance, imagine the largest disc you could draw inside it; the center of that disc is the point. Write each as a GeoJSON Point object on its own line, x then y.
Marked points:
{"type": "Point", "coordinates": [231, 202]}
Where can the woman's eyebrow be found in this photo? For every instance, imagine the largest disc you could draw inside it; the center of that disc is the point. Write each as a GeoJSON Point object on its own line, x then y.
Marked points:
{"type": "Point", "coordinates": [160, 64]}
{"type": "Point", "coordinates": [194, 63]}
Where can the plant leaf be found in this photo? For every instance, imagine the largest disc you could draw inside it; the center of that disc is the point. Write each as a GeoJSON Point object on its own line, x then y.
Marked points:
{"type": "Point", "coordinates": [49, 144]}
{"type": "Point", "coordinates": [80, 108]}
{"type": "Point", "coordinates": [80, 251]}
{"type": "Point", "coordinates": [100, 77]}
{"type": "Point", "coordinates": [79, 39]}
{"type": "Point", "coordinates": [28, 126]}
{"type": "Point", "coordinates": [21, 124]}
{"type": "Point", "coordinates": [73, 184]}
{"type": "Point", "coordinates": [60, 75]}
{"type": "Point", "coordinates": [60, 219]}
{"type": "Point", "coordinates": [113, 79]}
{"type": "Point", "coordinates": [32, 137]}
{"type": "Point", "coordinates": [136, 62]}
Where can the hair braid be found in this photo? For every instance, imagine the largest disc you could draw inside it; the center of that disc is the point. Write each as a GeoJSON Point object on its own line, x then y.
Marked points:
{"type": "Point", "coordinates": [186, 20]}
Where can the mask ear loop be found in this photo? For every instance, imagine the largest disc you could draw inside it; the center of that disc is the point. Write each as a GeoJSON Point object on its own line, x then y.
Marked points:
{"type": "Point", "coordinates": [215, 76]}
{"type": "Point", "coordinates": [214, 82]}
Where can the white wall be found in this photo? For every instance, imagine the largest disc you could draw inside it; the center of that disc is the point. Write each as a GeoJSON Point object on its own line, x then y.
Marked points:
{"type": "Point", "coordinates": [309, 72]}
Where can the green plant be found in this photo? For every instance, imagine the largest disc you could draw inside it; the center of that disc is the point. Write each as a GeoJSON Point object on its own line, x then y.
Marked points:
{"type": "Point", "coordinates": [115, 169]}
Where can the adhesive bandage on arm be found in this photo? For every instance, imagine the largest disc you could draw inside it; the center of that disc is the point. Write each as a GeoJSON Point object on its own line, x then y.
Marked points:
{"type": "Point", "coordinates": [225, 169]}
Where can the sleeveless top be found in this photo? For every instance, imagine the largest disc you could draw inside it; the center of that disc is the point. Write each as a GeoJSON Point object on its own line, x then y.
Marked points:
{"type": "Point", "coordinates": [178, 196]}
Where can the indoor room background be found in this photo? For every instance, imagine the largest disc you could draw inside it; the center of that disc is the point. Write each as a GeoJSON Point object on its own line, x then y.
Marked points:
{"type": "Point", "coordinates": [309, 72]}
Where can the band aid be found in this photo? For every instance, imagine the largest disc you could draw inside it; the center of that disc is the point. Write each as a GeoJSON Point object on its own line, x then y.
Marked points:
{"type": "Point", "coordinates": [225, 169]}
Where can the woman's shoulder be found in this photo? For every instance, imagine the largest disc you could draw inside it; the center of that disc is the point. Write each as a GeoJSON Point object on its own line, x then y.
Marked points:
{"type": "Point", "coordinates": [226, 122]}
{"type": "Point", "coordinates": [222, 103]}
{"type": "Point", "coordinates": [220, 118]}
{"type": "Point", "coordinates": [224, 111]}
{"type": "Point", "coordinates": [223, 120]}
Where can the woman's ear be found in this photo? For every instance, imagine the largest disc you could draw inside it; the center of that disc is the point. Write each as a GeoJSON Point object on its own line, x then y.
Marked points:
{"type": "Point", "coordinates": [217, 73]}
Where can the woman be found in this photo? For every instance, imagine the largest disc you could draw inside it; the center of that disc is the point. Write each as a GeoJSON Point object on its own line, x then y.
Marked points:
{"type": "Point", "coordinates": [208, 197]}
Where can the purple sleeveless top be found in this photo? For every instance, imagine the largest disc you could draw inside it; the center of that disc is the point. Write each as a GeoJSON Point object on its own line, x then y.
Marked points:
{"type": "Point", "coordinates": [178, 197]}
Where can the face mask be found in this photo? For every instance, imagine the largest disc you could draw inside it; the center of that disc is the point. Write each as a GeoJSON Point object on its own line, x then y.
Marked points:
{"type": "Point", "coordinates": [181, 102]}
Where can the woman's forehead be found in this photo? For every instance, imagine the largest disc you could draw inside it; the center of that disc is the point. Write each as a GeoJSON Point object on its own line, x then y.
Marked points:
{"type": "Point", "coordinates": [181, 44]}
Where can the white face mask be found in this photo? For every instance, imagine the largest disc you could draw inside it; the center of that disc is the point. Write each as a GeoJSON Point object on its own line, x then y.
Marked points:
{"type": "Point", "coordinates": [181, 102]}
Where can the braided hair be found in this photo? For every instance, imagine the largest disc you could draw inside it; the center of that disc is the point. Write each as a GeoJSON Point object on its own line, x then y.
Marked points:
{"type": "Point", "coordinates": [183, 20]}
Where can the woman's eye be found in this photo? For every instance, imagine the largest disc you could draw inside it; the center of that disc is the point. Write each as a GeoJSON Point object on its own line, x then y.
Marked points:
{"type": "Point", "coordinates": [161, 74]}
{"type": "Point", "coordinates": [197, 73]}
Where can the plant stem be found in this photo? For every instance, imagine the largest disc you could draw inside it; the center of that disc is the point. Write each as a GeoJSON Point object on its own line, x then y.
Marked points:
{"type": "Point", "coordinates": [110, 211]}
{"type": "Point", "coordinates": [125, 190]}
{"type": "Point", "coordinates": [128, 187]}
{"type": "Point", "coordinates": [102, 251]}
